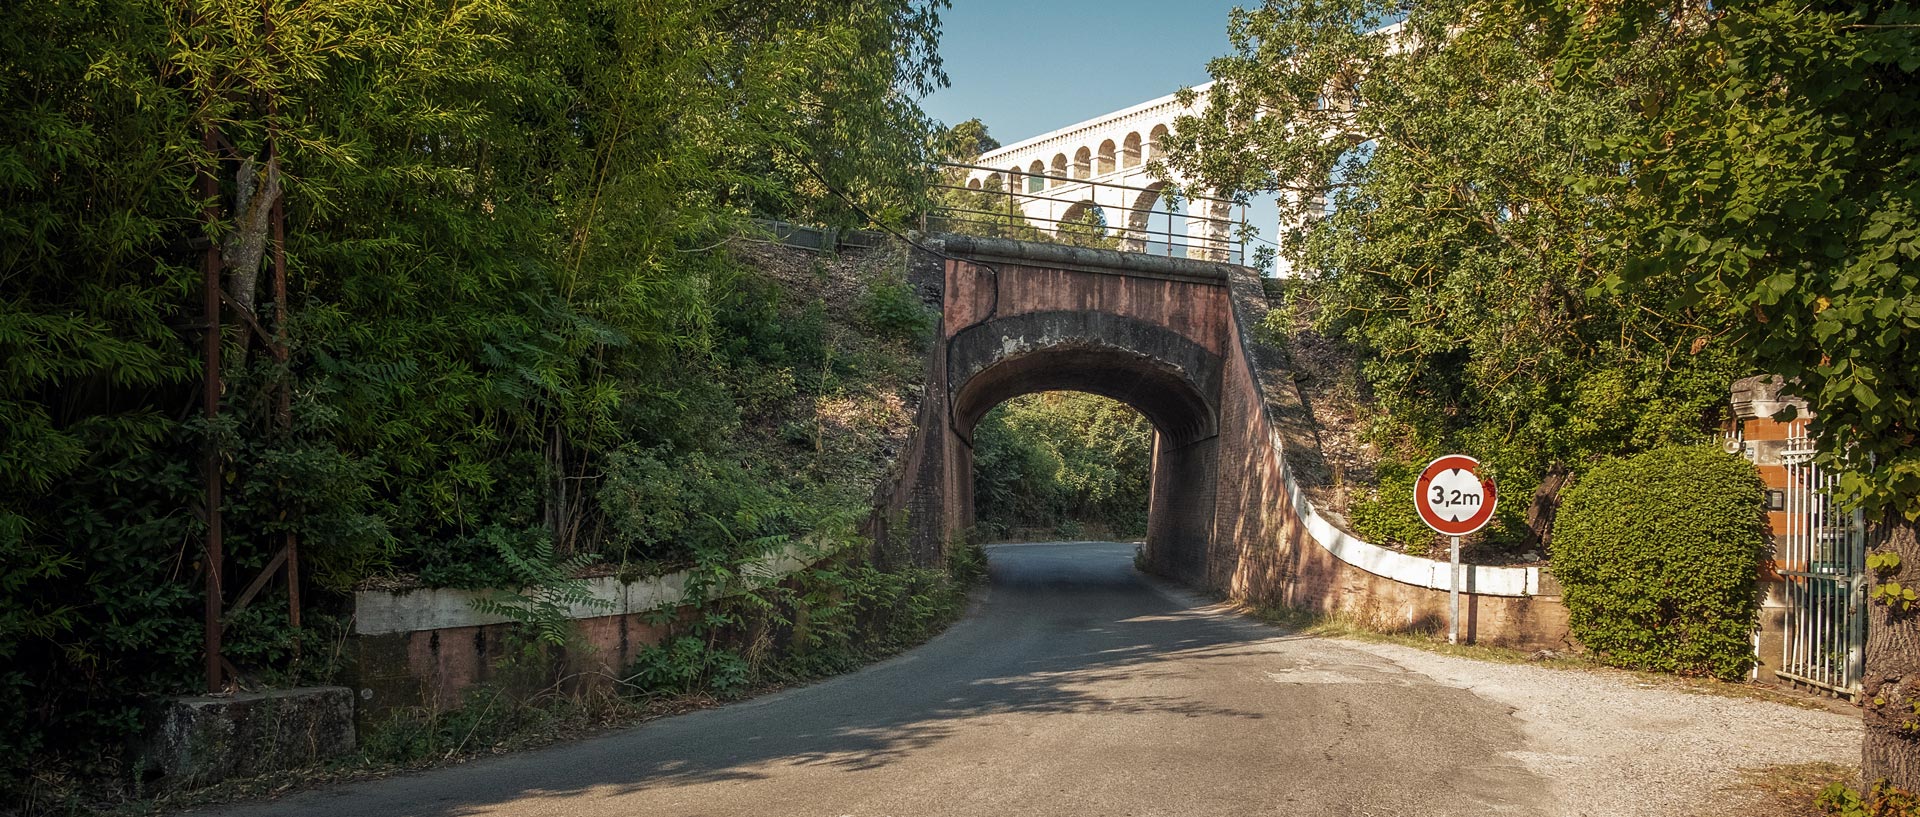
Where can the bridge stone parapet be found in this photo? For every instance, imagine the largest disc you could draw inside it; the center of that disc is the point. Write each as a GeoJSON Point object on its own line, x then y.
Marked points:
{"type": "Point", "coordinates": [1174, 338]}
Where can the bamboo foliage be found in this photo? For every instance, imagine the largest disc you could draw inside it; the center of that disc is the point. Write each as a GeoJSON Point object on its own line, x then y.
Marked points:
{"type": "Point", "coordinates": [500, 220]}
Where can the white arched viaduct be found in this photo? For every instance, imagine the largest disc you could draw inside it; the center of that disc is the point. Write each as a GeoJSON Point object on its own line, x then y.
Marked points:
{"type": "Point", "coordinates": [1102, 162]}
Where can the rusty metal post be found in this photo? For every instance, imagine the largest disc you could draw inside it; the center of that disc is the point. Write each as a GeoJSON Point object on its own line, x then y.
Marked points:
{"type": "Point", "coordinates": [211, 468]}
{"type": "Point", "coordinates": [281, 354]}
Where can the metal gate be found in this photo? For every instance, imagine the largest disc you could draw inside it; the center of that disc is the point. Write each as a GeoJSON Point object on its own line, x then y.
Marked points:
{"type": "Point", "coordinates": [1822, 562]}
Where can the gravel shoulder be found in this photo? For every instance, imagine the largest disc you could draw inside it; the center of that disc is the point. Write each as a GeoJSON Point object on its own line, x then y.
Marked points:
{"type": "Point", "coordinates": [1611, 744]}
{"type": "Point", "coordinates": [1616, 747]}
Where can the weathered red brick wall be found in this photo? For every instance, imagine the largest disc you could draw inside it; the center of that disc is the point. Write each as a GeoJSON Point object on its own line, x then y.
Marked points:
{"type": "Point", "coordinates": [435, 668]}
{"type": "Point", "coordinates": [1263, 555]}
{"type": "Point", "coordinates": [1197, 311]}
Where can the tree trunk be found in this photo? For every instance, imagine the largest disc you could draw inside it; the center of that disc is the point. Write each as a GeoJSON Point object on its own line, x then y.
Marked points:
{"type": "Point", "coordinates": [1891, 748]}
{"type": "Point", "coordinates": [1546, 506]}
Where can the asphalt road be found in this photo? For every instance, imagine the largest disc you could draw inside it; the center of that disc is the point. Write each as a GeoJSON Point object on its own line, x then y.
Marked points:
{"type": "Point", "coordinates": [1076, 687]}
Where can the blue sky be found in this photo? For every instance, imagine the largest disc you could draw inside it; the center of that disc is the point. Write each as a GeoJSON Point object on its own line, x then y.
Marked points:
{"type": "Point", "coordinates": [1026, 68]}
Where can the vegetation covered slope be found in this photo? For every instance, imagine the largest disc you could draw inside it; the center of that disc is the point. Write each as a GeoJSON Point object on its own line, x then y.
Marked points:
{"type": "Point", "coordinates": [510, 311]}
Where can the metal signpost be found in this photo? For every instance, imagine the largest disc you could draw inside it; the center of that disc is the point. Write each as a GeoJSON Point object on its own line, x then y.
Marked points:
{"type": "Point", "coordinates": [1454, 500]}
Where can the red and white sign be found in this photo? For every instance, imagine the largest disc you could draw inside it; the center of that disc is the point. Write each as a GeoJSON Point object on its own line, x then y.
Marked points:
{"type": "Point", "coordinates": [1451, 496]}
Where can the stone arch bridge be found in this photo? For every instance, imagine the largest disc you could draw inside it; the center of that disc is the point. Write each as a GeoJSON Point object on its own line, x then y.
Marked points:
{"type": "Point", "coordinates": [1234, 447]}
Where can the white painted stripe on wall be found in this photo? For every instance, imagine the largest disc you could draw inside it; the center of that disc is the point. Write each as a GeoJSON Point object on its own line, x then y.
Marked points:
{"type": "Point", "coordinates": [379, 612]}
{"type": "Point", "coordinates": [1485, 580]}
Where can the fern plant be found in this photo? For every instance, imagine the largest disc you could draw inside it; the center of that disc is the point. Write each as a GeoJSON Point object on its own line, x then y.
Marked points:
{"type": "Point", "coordinates": [548, 588]}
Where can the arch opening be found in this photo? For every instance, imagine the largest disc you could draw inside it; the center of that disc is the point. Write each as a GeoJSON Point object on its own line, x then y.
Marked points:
{"type": "Point", "coordinates": [1083, 163]}
{"type": "Point", "coordinates": [1170, 380]}
{"type": "Point", "coordinates": [1138, 234]}
{"type": "Point", "coordinates": [1059, 170]}
{"type": "Point", "coordinates": [1104, 159]}
{"type": "Point", "coordinates": [1085, 224]}
{"type": "Point", "coordinates": [1062, 465]}
{"type": "Point", "coordinates": [1130, 150]}
{"type": "Point", "coordinates": [1036, 176]}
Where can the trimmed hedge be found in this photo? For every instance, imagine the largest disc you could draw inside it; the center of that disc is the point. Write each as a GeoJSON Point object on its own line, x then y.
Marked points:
{"type": "Point", "coordinates": [1659, 555]}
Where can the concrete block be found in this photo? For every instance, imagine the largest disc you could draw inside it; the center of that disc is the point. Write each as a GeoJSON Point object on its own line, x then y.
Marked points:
{"type": "Point", "coordinates": [203, 740]}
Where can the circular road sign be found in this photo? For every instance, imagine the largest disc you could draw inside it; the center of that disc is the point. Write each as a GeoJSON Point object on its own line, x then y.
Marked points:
{"type": "Point", "coordinates": [1452, 498]}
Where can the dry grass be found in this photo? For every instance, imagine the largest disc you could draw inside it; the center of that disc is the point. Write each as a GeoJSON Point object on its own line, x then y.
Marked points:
{"type": "Point", "coordinates": [1779, 791]}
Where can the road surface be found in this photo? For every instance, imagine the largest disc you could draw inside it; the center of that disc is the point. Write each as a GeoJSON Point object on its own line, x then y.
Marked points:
{"type": "Point", "coordinates": [1079, 687]}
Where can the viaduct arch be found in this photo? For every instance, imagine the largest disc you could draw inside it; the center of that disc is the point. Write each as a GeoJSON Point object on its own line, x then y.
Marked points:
{"type": "Point", "coordinates": [1172, 338]}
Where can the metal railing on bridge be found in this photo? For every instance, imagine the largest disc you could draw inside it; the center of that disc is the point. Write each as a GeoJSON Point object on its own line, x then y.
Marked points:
{"type": "Point", "coordinates": [1156, 219]}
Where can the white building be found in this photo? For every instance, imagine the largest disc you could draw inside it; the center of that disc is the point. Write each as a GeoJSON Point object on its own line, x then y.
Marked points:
{"type": "Point", "coordinates": [1102, 163]}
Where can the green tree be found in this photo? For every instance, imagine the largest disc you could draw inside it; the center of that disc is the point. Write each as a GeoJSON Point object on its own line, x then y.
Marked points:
{"type": "Point", "coordinates": [506, 225]}
{"type": "Point", "coordinates": [964, 143]}
{"type": "Point", "coordinates": [1428, 170]}
{"type": "Point", "coordinates": [1087, 228]}
{"type": "Point", "coordinates": [1773, 184]}
{"type": "Point", "coordinates": [988, 210]}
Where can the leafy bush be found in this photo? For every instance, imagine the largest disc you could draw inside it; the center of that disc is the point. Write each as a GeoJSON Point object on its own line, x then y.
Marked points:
{"type": "Point", "coordinates": [1659, 554]}
{"type": "Point", "coordinates": [689, 664]}
{"type": "Point", "coordinates": [662, 506]}
{"type": "Point", "coordinates": [837, 614]}
{"type": "Point", "coordinates": [543, 589]}
{"type": "Point", "coordinates": [1883, 800]}
{"type": "Point", "coordinates": [892, 308]}
{"type": "Point", "coordinates": [1386, 515]}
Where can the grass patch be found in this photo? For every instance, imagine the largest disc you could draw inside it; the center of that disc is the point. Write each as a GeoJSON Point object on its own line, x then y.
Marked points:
{"type": "Point", "coordinates": [1780, 791]}
{"type": "Point", "coordinates": [1340, 625]}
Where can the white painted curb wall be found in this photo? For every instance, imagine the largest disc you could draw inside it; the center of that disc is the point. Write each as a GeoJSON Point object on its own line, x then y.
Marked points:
{"type": "Point", "coordinates": [381, 612]}
{"type": "Point", "coordinates": [1484, 580]}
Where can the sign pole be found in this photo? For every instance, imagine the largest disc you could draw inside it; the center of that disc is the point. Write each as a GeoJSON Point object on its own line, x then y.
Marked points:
{"type": "Point", "coordinates": [1453, 597]}
{"type": "Point", "coordinates": [1454, 500]}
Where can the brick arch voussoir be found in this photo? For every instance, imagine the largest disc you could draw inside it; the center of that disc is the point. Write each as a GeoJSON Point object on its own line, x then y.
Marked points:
{"type": "Point", "coordinates": [1171, 380]}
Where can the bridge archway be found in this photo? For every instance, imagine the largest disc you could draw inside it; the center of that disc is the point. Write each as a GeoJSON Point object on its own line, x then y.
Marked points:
{"type": "Point", "coordinates": [1134, 237]}
{"type": "Point", "coordinates": [1171, 380]}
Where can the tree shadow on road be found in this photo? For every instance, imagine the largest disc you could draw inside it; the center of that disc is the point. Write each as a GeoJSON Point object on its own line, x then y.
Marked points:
{"type": "Point", "coordinates": [1059, 642]}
